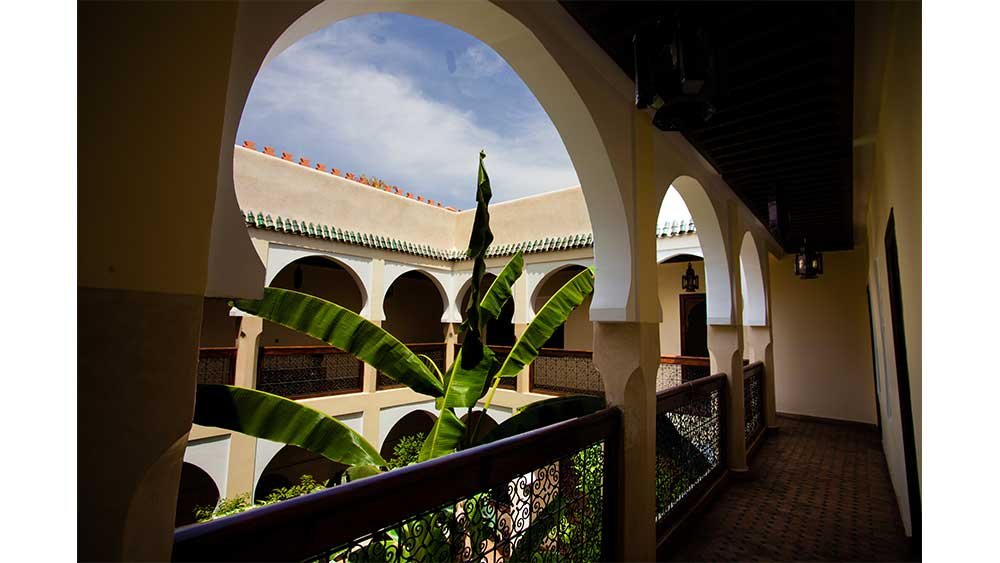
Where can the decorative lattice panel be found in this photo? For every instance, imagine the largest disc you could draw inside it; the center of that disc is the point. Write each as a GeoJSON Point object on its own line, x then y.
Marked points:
{"type": "Point", "coordinates": [309, 374]}
{"type": "Point", "coordinates": [688, 448]}
{"type": "Point", "coordinates": [566, 374]}
{"type": "Point", "coordinates": [554, 513]}
{"type": "Point", "coordinates": [753, 402]}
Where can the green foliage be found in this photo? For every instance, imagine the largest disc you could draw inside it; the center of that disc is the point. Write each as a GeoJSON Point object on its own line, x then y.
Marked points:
{"type": "Point", "coordinates": [241, 503]}
{"type": "Point", "coordinates": [474, 373]}
{"type": "Point", "coordinates": [406, 451]}
{"type": "Point", "coordinates": [346, 330]}
{"type": "Point", "coordinates": [275, 418]}
{"type": "Point", "coordinates": [306, 485]}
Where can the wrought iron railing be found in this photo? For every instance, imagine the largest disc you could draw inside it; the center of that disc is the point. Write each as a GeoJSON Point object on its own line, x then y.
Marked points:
{"type": "Point", "coordinates": [558, 372]}
{"type": "Point", "coordinates": [217, 365]}
{"type": "Point", "coordinates": [675, 370]}
{"type": "Point", "coordinates": [690, 445]}
{"type": "Point", "coordinates": [436, 351]}
{"type": "Point", "coordinates": [501, 353]}
{"type": "Point", "coordinates": [545, 495]}
{"type": "Point", "coordinates": [299, 372]}
{"type": "Point", "coordinates": [753, 401]}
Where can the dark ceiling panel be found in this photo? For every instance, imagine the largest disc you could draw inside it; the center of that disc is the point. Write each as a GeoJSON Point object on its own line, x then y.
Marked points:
{"type": "Point", "coordinates": [785, 107]}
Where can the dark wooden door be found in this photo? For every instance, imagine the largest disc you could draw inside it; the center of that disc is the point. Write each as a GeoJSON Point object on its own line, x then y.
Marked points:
{"type": "Point", "coordinates": [903, 379]}
{"type": "Point", "coordinates": [694, 327]}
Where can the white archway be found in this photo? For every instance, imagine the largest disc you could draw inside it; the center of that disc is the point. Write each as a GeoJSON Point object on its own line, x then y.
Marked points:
{"type": "Point", "coordinates": [360, 269]}
{"type": "Point", "coordinates": [441, 281]}
{"type": "Point", "coordinates": [752, 281]}
{"type": "Point", "coordinates": [536, 276]}
{"type": "Point", "coordinates": [712, 241]}
{"type": "Point", "coordinates": [541, 72]}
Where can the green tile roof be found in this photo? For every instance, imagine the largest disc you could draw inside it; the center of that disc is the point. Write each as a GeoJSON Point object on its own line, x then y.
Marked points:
{"type": "Point", "coordinates": [260, 220]}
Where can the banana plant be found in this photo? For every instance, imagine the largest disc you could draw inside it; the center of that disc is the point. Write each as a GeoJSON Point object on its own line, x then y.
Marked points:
{"type": "Point", "coordinates": [473, 376]}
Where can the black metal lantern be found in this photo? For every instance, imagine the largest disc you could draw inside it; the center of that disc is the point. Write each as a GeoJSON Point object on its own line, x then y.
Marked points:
{"type": "Point", "coordinates": [690, 280]}
{"type": "Point", "coordinates": [297, 277]}
{"type": "Point", "coordinates": [808, 262]}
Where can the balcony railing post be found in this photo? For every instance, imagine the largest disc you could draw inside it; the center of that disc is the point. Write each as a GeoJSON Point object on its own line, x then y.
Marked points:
{"type": "Point", "coordinates": [761, 350]}
{"type": "Point", "coordinates": [725, 343]}
{"type": "Point", "coordinates": [450, 343]}
{"type": "Point", "coordinates": [523, 378]}
{"type": "Point", "coordinates": [627, 356]}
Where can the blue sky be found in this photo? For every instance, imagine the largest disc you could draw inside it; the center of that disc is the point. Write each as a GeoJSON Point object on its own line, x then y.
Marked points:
{"type": "Point", "coordinates": [409, 101]}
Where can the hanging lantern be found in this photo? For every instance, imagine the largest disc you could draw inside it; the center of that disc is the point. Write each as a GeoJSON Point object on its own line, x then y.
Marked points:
{"type": "Point", "coordinates": [690, 280]}
{"type": "Point", "coordinates": [297, 277]}
{"type": "Point", "coordinates": [808, 262]}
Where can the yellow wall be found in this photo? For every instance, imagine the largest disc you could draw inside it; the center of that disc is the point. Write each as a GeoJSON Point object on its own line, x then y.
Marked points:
{"type": "Point", "coordinates": [896, 183]}
{"type": "Point", "coordinates": [669, 277]}
{"type": "Point", "coordinates": [822, 347]}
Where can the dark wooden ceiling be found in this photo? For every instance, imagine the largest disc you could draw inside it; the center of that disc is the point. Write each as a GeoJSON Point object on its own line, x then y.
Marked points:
{"type": "Point", "coordinates": [785, 104]}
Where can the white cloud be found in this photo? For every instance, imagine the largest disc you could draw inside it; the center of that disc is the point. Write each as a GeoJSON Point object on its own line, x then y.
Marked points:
{"type": "Point", "coordinates": [330, 96]}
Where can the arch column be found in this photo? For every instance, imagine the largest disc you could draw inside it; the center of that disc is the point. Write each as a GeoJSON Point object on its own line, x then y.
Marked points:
{"type": "Point", "coordinates": [376, 315]}
{"type": "Point", "coordinates": [627, 354]}
{"type": "Point", "coordinates": [725, 351]}
{"type": "Point", "coordinates": [242, 448]}
{"type": "Point", "coordinates": [522, 310]}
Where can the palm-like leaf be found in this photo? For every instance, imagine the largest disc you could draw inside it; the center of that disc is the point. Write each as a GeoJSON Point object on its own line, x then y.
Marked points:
{"type": "Point", "coordinates": [501, 289]}
{"type": "Point", "coordinates": [263, 415]}
{"type": "Point", "coordinates": [555, 312]}
{"type": "Point", "coordinates": [444, 437]}
{"type": "Point", "coordinates": [346, 330]}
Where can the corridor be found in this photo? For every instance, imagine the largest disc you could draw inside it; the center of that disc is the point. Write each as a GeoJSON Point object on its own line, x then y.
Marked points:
{"type": "Point", "coordinates": [815, 492]}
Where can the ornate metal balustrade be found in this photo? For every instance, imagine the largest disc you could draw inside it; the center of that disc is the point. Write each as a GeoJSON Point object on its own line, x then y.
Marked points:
{"type": "Point", "coordinates": [753, 401]}
{"type": "Point", "coordinates": [559, 372]}
{"type": "Point", "coordinates": [299, 372]}
{"type": "Point", "coordinates": [436, 351]}
{"type": "Point", "coordinates": [675, 370]}
{"type": "Point", "coordinates": [217, 365]}
{"type": "Point", "coordinates": [545, 495]}
{"type": "Point", "coordinates": [690, 445]}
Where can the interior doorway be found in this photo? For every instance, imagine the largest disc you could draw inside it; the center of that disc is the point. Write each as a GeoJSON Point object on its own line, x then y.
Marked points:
{"type": "Point", "coordinates": [694, 327]}
{"type": "Point", "coordinates": [903, 379]}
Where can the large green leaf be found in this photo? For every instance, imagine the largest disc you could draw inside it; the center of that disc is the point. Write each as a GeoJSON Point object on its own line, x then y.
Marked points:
{"type": "Point", "coordinates": [445, 436]}
{"type": "Point", "coordinates": [501, 289]}
{"type": "Point", "coordinates": [263, 415]}
{"type": "Point", "coordinates": [544, 413]}
{"type": "Point", "coordinates": [464, 387]}
{"type": "Point", "coordinates": [346, 330]}
{"type": "Point", "coordinates": [555, 312]}
{"type": "Point", "coordinates": [479, 242]}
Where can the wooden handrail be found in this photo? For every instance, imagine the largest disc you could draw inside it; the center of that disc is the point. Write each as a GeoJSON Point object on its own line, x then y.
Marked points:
{"type": "Point", "coordinates": [685, 360]}
{"type": "Point", "coordinates": [686, 392]}
{"type": "Point", "coordinates": [562, 353]}
{"type": "Point", "coordinates": [217, 351]}
{"type": "Point", "coordinates": [299, 528]}
{"type": "Point", "coordinates": [299, 350]}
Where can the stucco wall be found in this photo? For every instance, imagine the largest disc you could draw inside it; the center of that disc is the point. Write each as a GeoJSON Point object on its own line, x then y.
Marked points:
{"type": "Point", "coordinates": [897, 182]}
{"type": "Point", "coordinates": [272, 185]}
{"type": "Point", "coordinates": [822, 348]}
{"type": "Point", "coordinates": [552, 214]}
